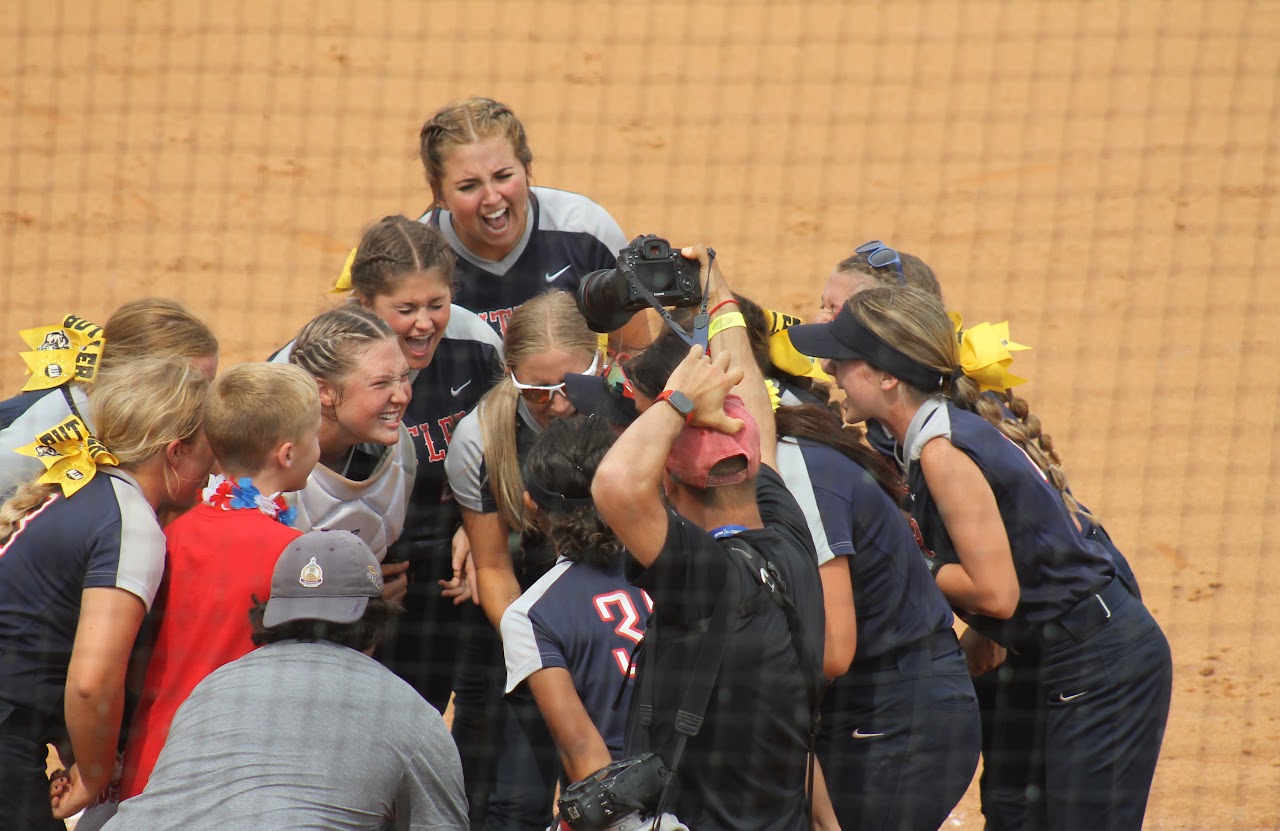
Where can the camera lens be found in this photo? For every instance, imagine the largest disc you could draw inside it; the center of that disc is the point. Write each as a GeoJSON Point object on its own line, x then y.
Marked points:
{"type": "Point", "coordinates": [602, 300]}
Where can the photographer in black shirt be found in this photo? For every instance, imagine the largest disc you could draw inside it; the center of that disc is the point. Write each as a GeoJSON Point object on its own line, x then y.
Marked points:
{"type": "Point", "coordinates": [745, 768]}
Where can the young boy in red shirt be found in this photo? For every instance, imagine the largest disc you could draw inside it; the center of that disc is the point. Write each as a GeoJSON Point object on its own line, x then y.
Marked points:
{"type": "Point", "coordinates": [263, 423]}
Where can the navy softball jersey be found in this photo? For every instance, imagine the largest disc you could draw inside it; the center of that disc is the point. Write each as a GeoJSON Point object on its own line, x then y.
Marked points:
{"type": "Point", "coordinates": [586, 619]}
{"type": "Point", "coordinates": [566, 237]}
{"type": "Point", "coordinates": [895, 597]}
{"type": "Point", "coordinates": [467, 363]}
{"type": "Point", "coordinates": [106, 536]}
{"type": "Point", "coordinates": [1056, 565]}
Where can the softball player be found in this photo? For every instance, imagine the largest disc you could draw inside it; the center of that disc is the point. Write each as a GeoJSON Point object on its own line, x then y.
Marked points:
{"type": "Point", "coordinates": [79, 568]}
{"type": "Point", "coordinates": [571, 634]}
{"type": "Point", "coordinates": [403, 271]}
{"type": "Point", "coordinates": [513, 241]}
{"type": "Point", "coordinates": [1038, 595]}
{"type": "Point", "coordinates": [367, 461]}
{"type": "Point", "coordinates": [547, 338]}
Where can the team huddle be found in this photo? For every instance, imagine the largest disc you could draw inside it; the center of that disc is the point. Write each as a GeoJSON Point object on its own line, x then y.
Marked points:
{"type": "Point", "coordinates": [662, 577]}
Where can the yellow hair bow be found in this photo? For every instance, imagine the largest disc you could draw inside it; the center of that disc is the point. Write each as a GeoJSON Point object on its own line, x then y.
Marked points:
{"type": "Point", "coordinates": [69, 351]}
{"type": "Point", "coordinates": [784, 355]}
{"type": "Point", "coordinates": [70, 454]}
{"type": "Point", "coordinates": [775, 393]}
{"type": "Point", "coordinates": [985, 354]}
{"type": "Point", "coordinates": [344, 279]}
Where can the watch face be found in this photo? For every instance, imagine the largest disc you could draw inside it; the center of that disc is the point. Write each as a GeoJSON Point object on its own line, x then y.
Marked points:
{"type": "Point", "coordinates": [681, 402]}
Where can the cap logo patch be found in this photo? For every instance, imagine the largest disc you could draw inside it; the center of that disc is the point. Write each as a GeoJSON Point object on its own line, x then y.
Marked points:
{"type": "Point", "coordinates": [312, 575]}
{"type": "Point", "coordinates": [375, 577]}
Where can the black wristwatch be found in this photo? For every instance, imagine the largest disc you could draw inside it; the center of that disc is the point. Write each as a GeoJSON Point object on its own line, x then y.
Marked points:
{"type": "Point", "coordinates": [679, 402]}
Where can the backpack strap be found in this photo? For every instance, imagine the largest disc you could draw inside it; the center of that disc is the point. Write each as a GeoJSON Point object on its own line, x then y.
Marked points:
{"type": "Point", "coordinates": [768, 576]}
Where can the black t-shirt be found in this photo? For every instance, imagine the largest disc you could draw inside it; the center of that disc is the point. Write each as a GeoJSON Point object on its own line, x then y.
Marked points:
{"type": "Point", "coordinates": [746, 767]}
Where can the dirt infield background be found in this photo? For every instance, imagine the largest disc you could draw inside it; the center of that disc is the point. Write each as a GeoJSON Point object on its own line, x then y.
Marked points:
{"type": "Point", "coordinates": [1103, 174]}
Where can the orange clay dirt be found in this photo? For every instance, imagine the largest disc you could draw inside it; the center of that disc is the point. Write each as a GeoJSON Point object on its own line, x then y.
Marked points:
{"type": "Point", "coordinates": [1103, 175]}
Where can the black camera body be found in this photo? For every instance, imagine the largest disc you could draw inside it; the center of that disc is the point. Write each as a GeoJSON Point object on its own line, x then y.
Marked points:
{"type": "Point", "coordinates": [609, 298]}
{"type": "Point", "coordinates": [631, 787]}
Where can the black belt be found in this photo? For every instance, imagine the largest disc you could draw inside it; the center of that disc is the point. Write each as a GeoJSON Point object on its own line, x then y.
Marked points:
{"type": "Point", "coordinates": [938, 643]}
{"type": "Point", "coordinates": [1087, 617]}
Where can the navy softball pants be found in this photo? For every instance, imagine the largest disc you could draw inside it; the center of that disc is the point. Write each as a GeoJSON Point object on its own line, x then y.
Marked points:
{"type": "Point", "coordinates": [900, 737]}
{"type": "Point", "coordinates": [1072, 726]}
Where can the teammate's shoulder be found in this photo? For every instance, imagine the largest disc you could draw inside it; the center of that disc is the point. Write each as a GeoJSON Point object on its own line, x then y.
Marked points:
{"type": "Point", "coordinates": [281, 355]}
{"type": "Point", "coordinates": [465, 324]}
{"type": "Point", "coordinates": [466, 448]}
{"type": "Point", "coordinates": [563, 210]}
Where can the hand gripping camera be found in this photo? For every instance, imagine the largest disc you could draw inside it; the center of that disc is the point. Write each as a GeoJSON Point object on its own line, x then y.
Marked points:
{"type": "Point", "coordinates": [620, 797]}
{"type": "Point", "coordinates": [647, 267]}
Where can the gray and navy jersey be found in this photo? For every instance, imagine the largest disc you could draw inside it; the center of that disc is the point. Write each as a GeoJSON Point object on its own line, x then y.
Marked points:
{"type": "Point", "coordinates": [567, 236]}
{"type": "Point", "coordinates": [1057, 566]}
{"type": "Point", "coordinates": [587, 620]}
{"type": "Point", "coordinates": [106, 536]}
{"type": "Point", "coordinates": [469, 482]}
{"type": "Point", "coordinates": [896, 599]}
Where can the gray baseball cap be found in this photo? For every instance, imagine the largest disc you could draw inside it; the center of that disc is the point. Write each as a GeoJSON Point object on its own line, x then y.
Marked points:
{"type": "Point", "coordinates": [323, 575]}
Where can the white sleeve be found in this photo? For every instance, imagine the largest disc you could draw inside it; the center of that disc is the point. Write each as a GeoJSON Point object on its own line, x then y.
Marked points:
{"type": "Point", "coordinates": [795, 473]}
{"type": "Point", "coordinates": [465, 324]}
{"type": "Point", "coordinates": [142, 544]}
{"type": "Point", "coordinates": [464, 464]}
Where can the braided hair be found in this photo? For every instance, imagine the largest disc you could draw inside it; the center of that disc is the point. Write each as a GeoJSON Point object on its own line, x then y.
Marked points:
{"type": "Point", "coordinates": [467, 122]}
{"type": "Point", "coordinates": [395, 246]}
{"type": "Point", "coordinates": [330, 345]}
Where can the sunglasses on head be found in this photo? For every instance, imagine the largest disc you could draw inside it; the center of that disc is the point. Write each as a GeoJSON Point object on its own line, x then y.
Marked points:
{"type": "Point", "coordinates": [880, 256]}
{"type": "Point", "coordinates": [543, 393]}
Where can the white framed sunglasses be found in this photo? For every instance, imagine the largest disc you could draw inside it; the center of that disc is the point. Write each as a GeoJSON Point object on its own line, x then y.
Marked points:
{"type": "Point", "coordinates": [543, 393]}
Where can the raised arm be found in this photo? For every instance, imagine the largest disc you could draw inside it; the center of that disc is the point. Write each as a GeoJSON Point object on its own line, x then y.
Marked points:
{"type": "Point", "coordinates": [627, 483]}
{"type": "Point", "coordinates": [733, 341]}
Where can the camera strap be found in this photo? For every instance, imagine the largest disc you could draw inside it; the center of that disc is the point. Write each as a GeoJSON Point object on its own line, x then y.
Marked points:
{"type": "Point", "coordinates": [767, 575]}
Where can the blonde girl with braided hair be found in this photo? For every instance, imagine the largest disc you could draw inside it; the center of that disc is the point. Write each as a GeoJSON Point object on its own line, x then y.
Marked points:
{"type": "Point", "coordinates": [514, 240]}
{"type": "Point", "coordinates": [1039, 596]}
{"type": "Point", "coordinates": [546, 339]}
{"type": "Point", "coordinates": [367, 461]}
{"type": "Point", "coordinates": [81, 559]}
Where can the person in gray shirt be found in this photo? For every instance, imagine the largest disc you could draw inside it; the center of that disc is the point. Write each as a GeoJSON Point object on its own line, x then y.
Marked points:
{"type": "Point", "coordinates": [307, 731]}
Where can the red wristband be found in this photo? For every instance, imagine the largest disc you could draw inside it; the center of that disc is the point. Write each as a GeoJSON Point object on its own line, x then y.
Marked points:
{"type": "Point", "coordinates": [717, 307]}
{"type": "Point", "coordinates": [665, 395]}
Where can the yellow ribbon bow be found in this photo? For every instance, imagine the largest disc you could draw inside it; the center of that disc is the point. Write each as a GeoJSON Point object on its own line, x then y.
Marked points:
{"type": "Point", "coordinates": [985, 354]}
{"type": "Point", "coordinates": [69, 351]}
{"type": "Point", "coordinates": [70, 454]}
{"type": "Point", "coordinates": [784, 355]}
{"type": "Point", "coordinates": [775, 393]}
{"type": "Point", "coordinates": [344, 279]}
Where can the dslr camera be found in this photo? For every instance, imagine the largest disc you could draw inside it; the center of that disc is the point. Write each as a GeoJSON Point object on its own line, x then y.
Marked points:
{"type": "Point", "coordinates": [609, 298]}
{"type": "Point", "coordinates": [620, 796]}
